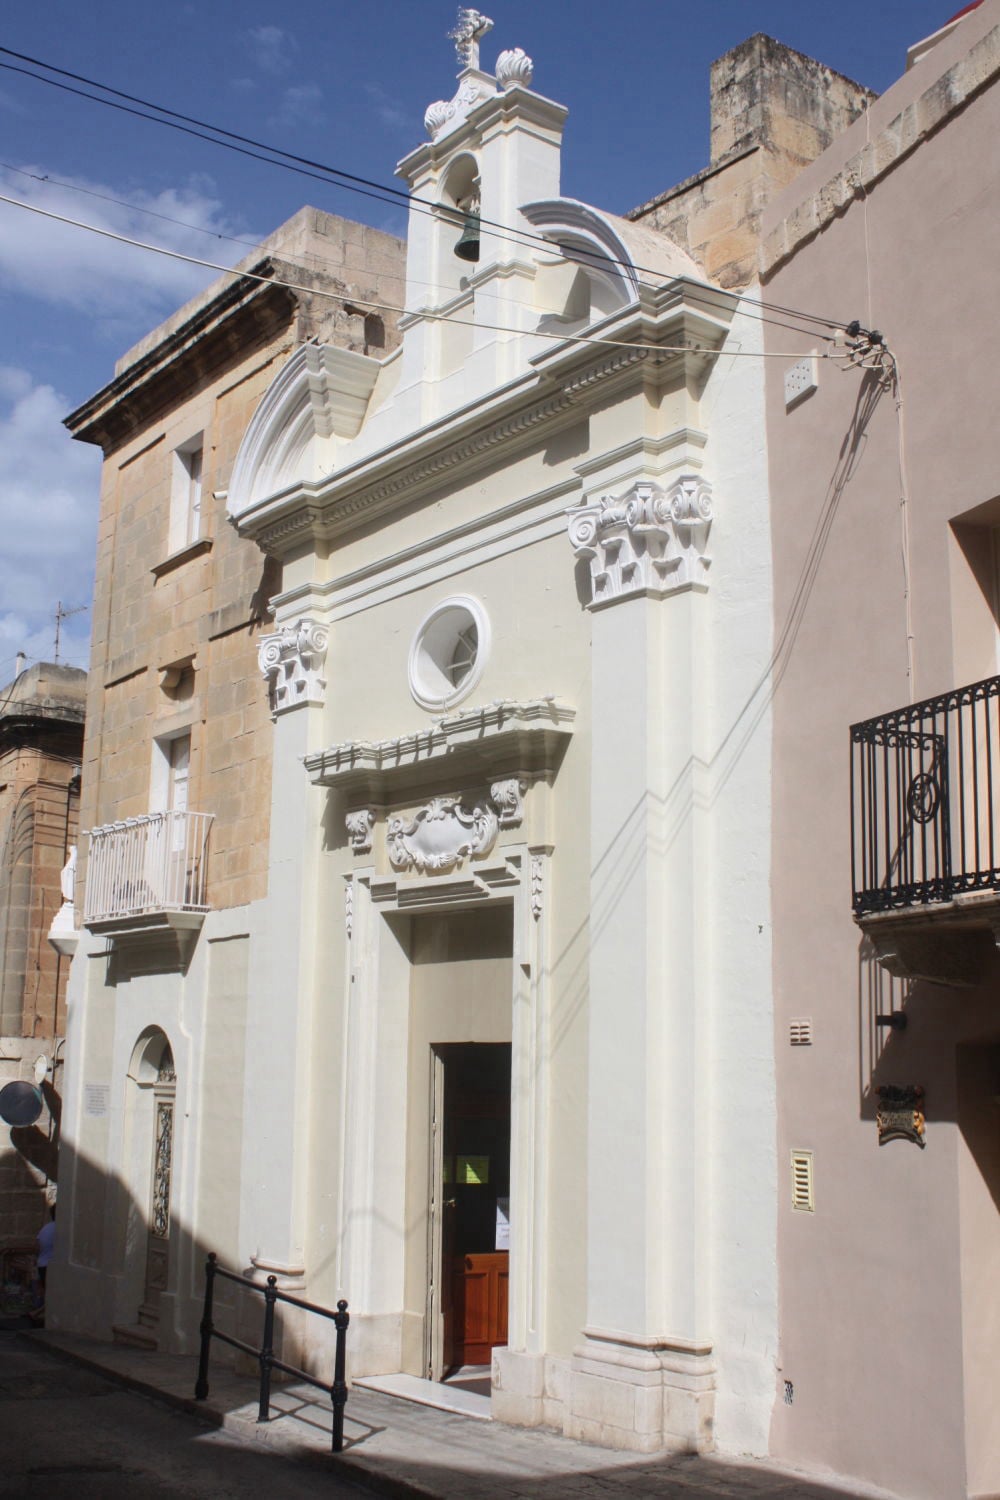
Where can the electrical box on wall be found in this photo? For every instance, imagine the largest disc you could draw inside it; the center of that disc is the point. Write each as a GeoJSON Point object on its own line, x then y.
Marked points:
{"type": "Point", "coordinates": [801, 379]}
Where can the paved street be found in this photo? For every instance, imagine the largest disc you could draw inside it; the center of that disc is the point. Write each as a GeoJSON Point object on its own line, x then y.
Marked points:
{"type": "Point", "coordinates": [66, 1432]}
{"type": "Point", "coordinates": [68, 1428]}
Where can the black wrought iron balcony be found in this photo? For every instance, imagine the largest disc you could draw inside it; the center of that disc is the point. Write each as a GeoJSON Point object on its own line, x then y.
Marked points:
{"type": "Point", "coordinates": [925, 798]}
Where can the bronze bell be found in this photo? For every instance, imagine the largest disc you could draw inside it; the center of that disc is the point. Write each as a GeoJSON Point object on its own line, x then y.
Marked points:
{"type": "Point", "coordinates": [467, 246]}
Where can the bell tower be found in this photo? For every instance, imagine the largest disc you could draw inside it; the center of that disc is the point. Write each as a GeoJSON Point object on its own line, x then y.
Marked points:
{"type": "Point", "coordinates": [494, 147]}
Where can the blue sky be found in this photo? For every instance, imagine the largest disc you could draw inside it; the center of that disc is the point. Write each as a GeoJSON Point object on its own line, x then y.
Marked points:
{"type": "Point", "coordinates": [345, 82]}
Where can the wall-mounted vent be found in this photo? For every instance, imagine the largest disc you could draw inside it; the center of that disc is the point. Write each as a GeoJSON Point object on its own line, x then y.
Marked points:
{"type": "Point", "coordinates": [800, 1031]}
{"type": "Point", "coordinates": [801, 379]}
{"type": "Point", "coordinates": [802, 1181]}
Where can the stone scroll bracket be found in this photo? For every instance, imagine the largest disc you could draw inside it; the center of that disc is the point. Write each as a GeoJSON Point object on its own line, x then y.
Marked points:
{"type": "Point", "coordinates": [650, 540]}
{"type": "Point", "coordinates": [292, 663]}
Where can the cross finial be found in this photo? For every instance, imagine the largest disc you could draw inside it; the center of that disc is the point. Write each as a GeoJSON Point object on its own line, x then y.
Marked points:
{"type": "Point", "coordinates": [469, 31]}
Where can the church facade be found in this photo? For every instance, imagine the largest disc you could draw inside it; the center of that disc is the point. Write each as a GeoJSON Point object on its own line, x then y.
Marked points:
{"type": "Point", "coordinates": [445, 888]}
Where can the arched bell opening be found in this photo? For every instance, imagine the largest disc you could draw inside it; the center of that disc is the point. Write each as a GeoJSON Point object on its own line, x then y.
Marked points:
{"type": "Point", "coordinates": [457, 247]}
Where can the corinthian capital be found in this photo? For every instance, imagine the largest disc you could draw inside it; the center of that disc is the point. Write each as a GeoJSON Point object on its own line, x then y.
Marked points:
{"type": "Point", "coordinates": [291, 661]}
{"type": "Point", "coordinates": [649, 540]}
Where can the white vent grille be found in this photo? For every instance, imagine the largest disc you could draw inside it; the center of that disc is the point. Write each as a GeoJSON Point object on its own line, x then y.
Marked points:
{"type": "Point", "coordinates": [802, 1181]}
{"type": "Point", "coordinates": [800, 1032]}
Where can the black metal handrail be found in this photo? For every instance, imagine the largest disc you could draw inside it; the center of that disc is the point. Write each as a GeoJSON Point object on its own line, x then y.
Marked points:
{"type": "Point", "coordinates": [265, 1354]}
{"type": "Point", "coordinates": [923, 814]}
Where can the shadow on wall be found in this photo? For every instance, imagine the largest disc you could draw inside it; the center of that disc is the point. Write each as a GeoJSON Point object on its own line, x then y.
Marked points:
{"type": "Point", "coordinates": [28, 1177]}
{"type": "Point", "coordinates": [489, 1459]}
{"type": "Point", "coordinates": [949, 1047]}
{"type": "Point", "coordinates": [116, 1278]}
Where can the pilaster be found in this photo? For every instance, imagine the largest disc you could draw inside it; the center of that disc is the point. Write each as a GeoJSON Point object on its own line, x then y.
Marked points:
{"type": "Point", "coordinates": [282, 967]}
{"type": "Point", "coordinates": [642, 1376]}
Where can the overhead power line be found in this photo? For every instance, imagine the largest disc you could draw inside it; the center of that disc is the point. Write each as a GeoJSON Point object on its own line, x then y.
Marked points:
{"type": "Point", "coordinates": [305, 166]}
{"type": "Point", "coordinates": [749, 308]}
{"type": "Point", "coordinates": [355, 301]}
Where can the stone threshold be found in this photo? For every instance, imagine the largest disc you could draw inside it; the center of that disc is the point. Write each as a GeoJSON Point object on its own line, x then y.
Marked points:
{"type": "Point", "coordinates": [441, 1396]}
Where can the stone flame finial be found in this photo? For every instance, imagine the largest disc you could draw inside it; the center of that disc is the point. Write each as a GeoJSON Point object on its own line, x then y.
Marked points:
{"type": "Point", "coordinates": [469, 31]}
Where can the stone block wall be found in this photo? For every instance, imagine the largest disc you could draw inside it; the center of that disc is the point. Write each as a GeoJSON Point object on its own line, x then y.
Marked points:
{"type": "Point", "coordinates": [773, 111]}
{"type": "Point", "coordinates": [174, 643]}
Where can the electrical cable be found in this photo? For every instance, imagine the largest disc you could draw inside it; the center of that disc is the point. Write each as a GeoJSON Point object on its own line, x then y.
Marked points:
{"type": "Point", "coordinates": [748, 307]}
{"type": "Point", "coordinates": [151, 213]}
{"type": "Point", "coordinates": [354, 300]}
{"type": "Point", "coordinates": [352, 181]}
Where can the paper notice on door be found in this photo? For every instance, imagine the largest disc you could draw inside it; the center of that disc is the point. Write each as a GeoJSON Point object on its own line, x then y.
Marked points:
{"type": "Point", "coordinates": [503, 1224]}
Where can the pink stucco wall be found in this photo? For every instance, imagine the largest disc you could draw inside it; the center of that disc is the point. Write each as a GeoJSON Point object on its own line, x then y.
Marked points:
{"type": "Point", "coordinates": [889, 1309]}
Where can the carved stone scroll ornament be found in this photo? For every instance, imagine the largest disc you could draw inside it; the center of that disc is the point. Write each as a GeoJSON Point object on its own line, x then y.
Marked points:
{"type": "Point", "coordinates": [359, 829]}
{"type": "Point", "coordinates": [507, 797]}
{"type": "Point", "coordinates": [291, 661]}
{"type": "Point", "coordinates": [648, 541]}
{"type": "Point", "coordinates": [442, 834]}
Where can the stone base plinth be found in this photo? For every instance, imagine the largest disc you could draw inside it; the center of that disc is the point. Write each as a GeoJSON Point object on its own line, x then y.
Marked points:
{"type": "Point", "coordinates": [645, 1396]}
{"type": "Point", "coordinates": [518, 1388]}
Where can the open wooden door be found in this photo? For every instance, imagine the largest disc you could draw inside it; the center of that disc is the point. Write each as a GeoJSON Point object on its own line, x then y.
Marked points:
{"type": "Point", "coordinates": [470, 1195]}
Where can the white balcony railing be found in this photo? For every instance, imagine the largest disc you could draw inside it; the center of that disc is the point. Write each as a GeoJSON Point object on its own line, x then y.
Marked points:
{"type": "Point", "coordinates": [147, 865]}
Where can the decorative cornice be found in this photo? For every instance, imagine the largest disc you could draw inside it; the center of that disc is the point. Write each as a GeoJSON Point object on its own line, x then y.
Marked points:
{"type": "Point", "coordinates": [528, 738]}
{"type": "Point", "coordinates": [310, 517]}
{"type": "Point", "coordinates": [647, 541]}
{"type": "Point", "coordinates": [880, 153]}
{"type": "Point", "coordinates": [563, 379]}
{"type": "Point", "coordinates": [291, 661]}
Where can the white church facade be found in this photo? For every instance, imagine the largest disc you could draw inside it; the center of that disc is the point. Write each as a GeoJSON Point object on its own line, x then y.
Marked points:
{"type": "Point", "coordinates": [488, 1050]}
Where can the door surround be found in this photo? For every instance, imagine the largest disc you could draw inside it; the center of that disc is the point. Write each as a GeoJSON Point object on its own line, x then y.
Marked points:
{"type": "Point", "coordinates": [371, 1257]}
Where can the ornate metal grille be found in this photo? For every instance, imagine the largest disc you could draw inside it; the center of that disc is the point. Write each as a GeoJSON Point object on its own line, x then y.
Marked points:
{"type": "Point", "coordinates": [923, 814]}
{"type": "Point", "coordinates": [161, 1169]}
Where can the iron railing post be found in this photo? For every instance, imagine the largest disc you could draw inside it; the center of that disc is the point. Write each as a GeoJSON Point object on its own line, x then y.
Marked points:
{"type": "Point", "coordinates": [267, 1348]}
{"type": "Point", "coordinates": [338, 1391]}
{"type": "Point", "coordinates": [201, 1386]}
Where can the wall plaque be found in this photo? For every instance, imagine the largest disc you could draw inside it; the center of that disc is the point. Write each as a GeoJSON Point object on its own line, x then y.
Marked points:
{"type": "Point", "coordinates": [900, 1114]}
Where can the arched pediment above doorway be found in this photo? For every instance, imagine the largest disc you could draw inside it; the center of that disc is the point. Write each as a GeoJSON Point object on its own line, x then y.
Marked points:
{"type": "Point", "coordinates": [320, 395]}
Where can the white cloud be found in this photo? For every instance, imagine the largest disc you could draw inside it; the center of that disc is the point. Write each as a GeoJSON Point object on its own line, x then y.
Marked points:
{"type": "Point", "coordinates": [272, 49]}
{"type": "Point", "coordinates": [389, 114]}
{"type": "Point", "coordinates": [302, 104]}
{"type": "Point", "coordinates": [122, 286]}
{"type": "Point", "coordinates": [48, 520]}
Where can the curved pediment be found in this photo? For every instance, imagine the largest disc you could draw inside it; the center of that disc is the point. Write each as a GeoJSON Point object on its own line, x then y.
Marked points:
{"type": "Point", "coordinates": [589, 238]}
{"type": "Point", "coordinates": [320, 395]}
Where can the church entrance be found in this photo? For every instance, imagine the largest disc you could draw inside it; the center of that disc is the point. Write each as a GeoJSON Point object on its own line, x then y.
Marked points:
{"type": "Point", "coordinates": [469, 1205]}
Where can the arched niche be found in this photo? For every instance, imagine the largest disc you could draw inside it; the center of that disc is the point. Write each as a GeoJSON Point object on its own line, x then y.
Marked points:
{"type": "Point", "coordinates": [148, 1163]}
{"type": "Point", "coordinates": [458, 195]}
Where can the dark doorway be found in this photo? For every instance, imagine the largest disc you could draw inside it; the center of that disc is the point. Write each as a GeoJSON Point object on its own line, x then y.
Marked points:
{"type": "Point", "coordinates": [472, 1187]}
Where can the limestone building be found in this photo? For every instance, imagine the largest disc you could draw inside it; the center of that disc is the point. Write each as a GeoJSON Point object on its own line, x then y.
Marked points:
{"type": "Point", "coordinates": [41, 747]}
{"type": "Point", "coordinates": [426, 950]}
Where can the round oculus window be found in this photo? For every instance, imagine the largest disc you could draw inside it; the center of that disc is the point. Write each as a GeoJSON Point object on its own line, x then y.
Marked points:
{"type": "Point", "coordinates": [449, 652]}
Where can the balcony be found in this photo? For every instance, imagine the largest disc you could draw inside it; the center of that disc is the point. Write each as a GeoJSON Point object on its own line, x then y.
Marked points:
{"type": "Point", "coordinates": [147, 874]}
{"type": "Point", "coordinates": [924, 837]}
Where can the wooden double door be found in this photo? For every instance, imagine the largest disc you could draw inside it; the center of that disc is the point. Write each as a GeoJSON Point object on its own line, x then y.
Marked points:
{"type": "Point", "coordinates": [470, 1202]}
